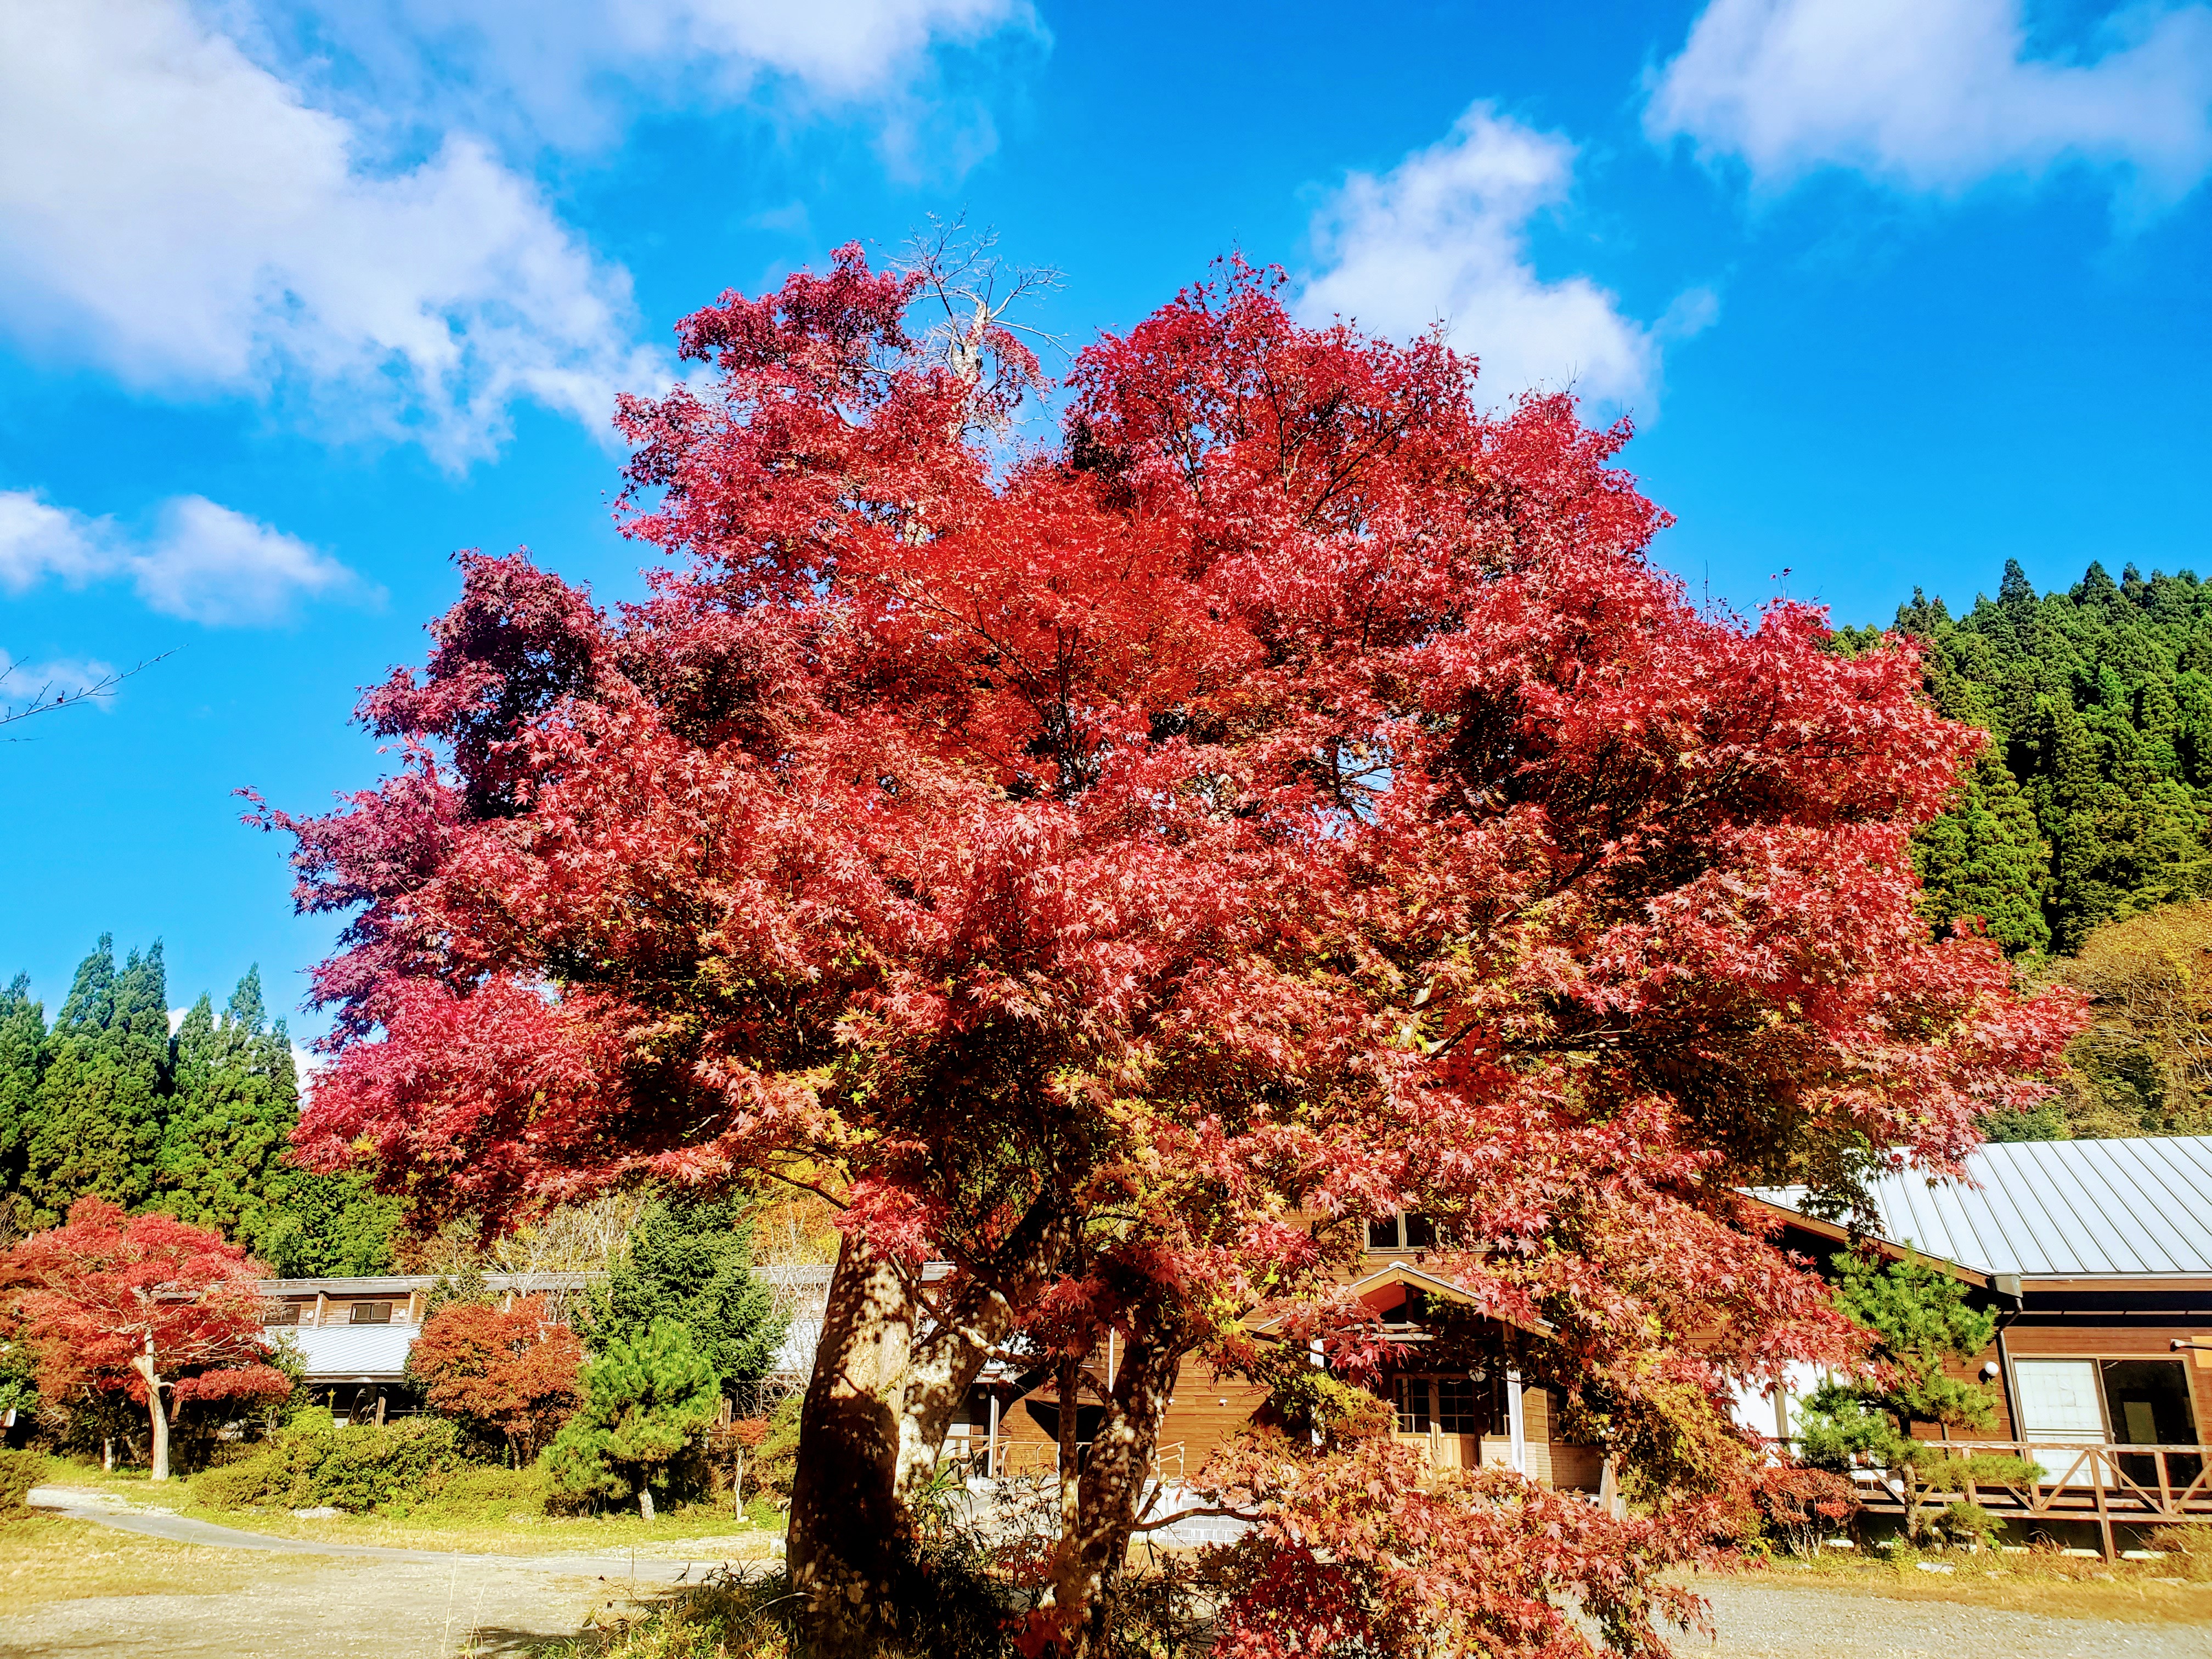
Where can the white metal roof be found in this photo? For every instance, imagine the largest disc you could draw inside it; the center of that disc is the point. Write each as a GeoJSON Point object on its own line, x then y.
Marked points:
{"type": "Point", "coordinates": [2060, 1208]}
{"type": "Point", "coordinates": [335, 1353]}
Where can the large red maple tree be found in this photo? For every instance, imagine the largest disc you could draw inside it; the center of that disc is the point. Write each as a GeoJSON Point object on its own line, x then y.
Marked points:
{"type": "Point", "coordinates": [143, 1305]}
{"type": "Point", "coordinates": [1119, 870]}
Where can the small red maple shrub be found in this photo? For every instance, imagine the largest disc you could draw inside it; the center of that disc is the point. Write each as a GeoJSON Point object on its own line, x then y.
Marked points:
{"type": "Point", "coordinates": [143, 1305]}
{"type": "Point", "coordinates": [510, 1372]}
{"type": "Point", "coordinates": [1119, 871]}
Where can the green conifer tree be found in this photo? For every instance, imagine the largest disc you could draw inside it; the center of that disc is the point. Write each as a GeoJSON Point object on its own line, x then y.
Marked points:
{"type": "Point", "coordinates": [1921, 1322]}
{"type": "Point", "coordinates": [643, 1399]}
{"type": "Point", "coordinates": [103, 1086]}
{"type": "Point", "coordinates": [689, 1262]}
{"type": "Point", "coordinates": [1985, 858]}
{"type": "Point", "coordinates": [230, 1119]}
{"type": "Point", "coordinates": [22, 1044]}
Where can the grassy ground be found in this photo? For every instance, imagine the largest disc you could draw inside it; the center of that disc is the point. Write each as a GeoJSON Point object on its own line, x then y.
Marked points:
{"type": "Point", "coordinates": [46, 1559]}
{"type": "Point", "coordinates": [476, 1534]}
{"type": "Point", "coordinates": [2176, 1591]}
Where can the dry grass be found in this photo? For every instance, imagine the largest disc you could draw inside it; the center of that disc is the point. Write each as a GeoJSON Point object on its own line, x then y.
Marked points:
{"type": "Point", "coordinates": [672, 1532]}
{"type": "Point", "coordinates": [2058, 1587]}
{"type": "Point", "coordinates": [517, 1535]}
{"type": "Point", "coordinates": [54, 1558]}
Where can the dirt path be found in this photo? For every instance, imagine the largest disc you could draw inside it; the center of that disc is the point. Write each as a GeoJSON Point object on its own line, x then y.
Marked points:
{"type": "Point", "coordinates": [357, 1602]}
{"type": "Point", "coordinates": [1757, 1622]}
{"type": "Point", "coordinates": [328, 1600]}
{"type": "Point", "coordinates": [347, 1610]}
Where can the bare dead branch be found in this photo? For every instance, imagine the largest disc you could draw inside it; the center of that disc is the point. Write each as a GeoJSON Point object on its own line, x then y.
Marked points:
{"type": "Point", "coordinates": [51, 696]}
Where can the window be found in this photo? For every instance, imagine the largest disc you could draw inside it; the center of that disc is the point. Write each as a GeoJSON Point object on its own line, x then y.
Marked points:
{"type": "Point", "coordinates": [1412, 1405]}
{"type": "Point", "coordinates": [1456, 1405]}
{"type": "Point", "coordinates": [1462, 1405]}
{"type": "Point", "coordinates": [1401, 1233]}
{"type": "Point", "coordinates": [370, 1313]}
{"type": "Point", "coordinates": [280, 1313]}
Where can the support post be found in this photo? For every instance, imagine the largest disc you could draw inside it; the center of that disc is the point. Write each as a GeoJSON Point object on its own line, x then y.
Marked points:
{"type": "Point", "coordinates": [1515, 1423]}
{"type": "Point", "coordinates": [2104, 1515]}
{"type": "Point", "coordinates": [991, 1452]}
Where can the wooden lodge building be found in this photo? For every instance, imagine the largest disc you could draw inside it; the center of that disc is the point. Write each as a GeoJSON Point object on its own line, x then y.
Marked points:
{"type": "Point", "coordinates": [2096, 1254]}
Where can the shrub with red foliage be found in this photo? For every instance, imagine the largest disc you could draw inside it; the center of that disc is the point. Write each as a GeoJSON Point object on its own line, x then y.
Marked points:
{"type": "Point", "coordinates": [140, 1304]}
{"type": "Point", "coordinates": [1366, 1548]}
{"type": "Point", "coordinates": [1119, 872]}
{"type": "Point", "coordinates": [509, 1373]}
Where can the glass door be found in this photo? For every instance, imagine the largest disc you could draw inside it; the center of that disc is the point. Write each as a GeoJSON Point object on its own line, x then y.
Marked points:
{"type": "Point", "coordinates": [2148, 1400]}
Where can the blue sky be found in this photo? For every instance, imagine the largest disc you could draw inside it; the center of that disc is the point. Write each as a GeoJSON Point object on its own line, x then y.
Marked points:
{"type": "Point", "coordinates": [297, 299]}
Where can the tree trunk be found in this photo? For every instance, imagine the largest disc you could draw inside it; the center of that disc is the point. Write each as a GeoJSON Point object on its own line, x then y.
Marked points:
{"type": "Point", "coordinates": [143, 1364]}
{"type": "Point", "coordinates": [1099, 1509]}
{"type": "Point", "coordinates": [107, 1454]}
{"type": "Point", "coordinates": [644, 1500]}
{"type": "Point", "coordinates": [873, 1425]}
{"type": "Point", "coordinates": [847, 1524]}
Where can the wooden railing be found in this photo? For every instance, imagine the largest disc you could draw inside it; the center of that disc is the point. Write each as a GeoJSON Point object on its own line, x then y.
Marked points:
{"type": "Point", "coordinates": [2103, 1484]}
{"type": "Point", "coordinates": [1029, 1459]}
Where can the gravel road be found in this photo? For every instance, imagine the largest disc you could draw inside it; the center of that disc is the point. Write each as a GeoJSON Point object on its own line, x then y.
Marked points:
{"type": "Point", "coordinates": [371, 1603]}
{"type": "Point", "coordinates": [1758, 1623]}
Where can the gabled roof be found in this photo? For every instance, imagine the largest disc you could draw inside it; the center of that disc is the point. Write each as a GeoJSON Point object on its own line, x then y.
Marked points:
{"type": "Point", "coordinates": [1404, 1275]}
{"type": "Point", "coordinates": [2058, 1209]}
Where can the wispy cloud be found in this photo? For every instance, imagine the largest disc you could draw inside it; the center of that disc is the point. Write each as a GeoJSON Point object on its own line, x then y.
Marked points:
{"type": "Point", "coordinates": [201, 561]}
{"type": "Point", "coordinates": [1938, 95]}
{"type": "Point", "coordinates": [1444, 237]}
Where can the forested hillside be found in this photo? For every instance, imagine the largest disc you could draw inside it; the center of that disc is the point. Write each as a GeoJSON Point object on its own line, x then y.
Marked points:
{"type": "Point", "coordinates": [2081, 838]}
{"type": "Point", "coordinates": [106, 1102]}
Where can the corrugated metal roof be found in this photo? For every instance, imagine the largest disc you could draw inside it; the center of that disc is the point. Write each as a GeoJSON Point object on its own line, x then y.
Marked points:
{"type": "Point", "coordinates": [335, 1351]}
{"type": "Point", "coordinates": [2061, 1208]}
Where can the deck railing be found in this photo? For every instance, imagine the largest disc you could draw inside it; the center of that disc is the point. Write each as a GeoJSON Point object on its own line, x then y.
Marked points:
{"type": "Point", "coordinates": [2102, 1484]}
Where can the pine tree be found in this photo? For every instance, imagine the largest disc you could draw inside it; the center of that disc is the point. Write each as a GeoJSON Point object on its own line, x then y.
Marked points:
{"type": "Point", "coordinates": [644, 1398]}
{"type": "Point", "coordinates": [690, 1263]}
{"type": "Point", "coordinates": [22, 1041]}
{"type": "Point", "coordinates": [1923, 1324]}
{"type": "Point", "coordinates": [100, 1096]}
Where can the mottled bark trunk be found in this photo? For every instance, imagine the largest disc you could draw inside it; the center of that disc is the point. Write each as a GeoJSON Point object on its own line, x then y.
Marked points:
{"type": "Point", "coordinates": [644, 1500]}
{"type": "Point", "coordinates": [1099, 1510]}
{"type": "Point", "coordinates": [847, 1524]}
{"type": "Point", "coordinates": [883, 1393]}
{"type": "Point", "coordinates": [159, 1446]}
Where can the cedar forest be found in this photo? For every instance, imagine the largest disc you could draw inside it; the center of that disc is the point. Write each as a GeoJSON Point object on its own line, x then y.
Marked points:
{"type": "Point", "coordinates": [1117, 869]}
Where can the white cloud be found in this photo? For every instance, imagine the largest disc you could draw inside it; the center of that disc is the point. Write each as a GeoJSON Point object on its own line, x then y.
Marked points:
{"type": "Point", "coordinates": [563, 71]}
{"type": "Point", "coordinates": [209, 564]}
{"type": "Point", "coordinates": [175, 213]}
{"type": "Point", "coordinates": [1443, 236]}
{"type": "Point", "coordinates": [202, 561]}
{"type": "Point", "coordinates": [38, 540]}
{"type": "Point", "coordinates": [1939, 94]}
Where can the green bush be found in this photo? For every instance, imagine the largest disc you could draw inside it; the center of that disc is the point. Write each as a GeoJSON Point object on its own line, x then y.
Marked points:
{"type": "Point", "coordinates": [484, 1492]}
{"type": "Point", "coordinates": [19, 1471]}
{"type": "Point", "coordinates": [309, 1465]}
